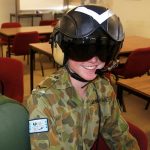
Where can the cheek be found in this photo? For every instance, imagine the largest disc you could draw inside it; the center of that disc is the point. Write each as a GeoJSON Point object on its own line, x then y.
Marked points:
{"type": "Point", "coordinates": [73, 65]}
{"type": "Point", "coordinates": [75, 68]}
{"type": "Point", "coordinates": [101, 65]}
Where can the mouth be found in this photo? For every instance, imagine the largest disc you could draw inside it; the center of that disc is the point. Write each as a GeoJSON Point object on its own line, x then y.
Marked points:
{"type": "Point", "coordinates": [90, 67]}
{"type": "Point", "coordinates": [93, 67]}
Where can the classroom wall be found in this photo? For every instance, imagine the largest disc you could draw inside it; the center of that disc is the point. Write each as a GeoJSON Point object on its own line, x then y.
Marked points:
{"type": "Point", "coordinates": [134, 14]}
{"type": "Point", "coordinates": [6, 7]}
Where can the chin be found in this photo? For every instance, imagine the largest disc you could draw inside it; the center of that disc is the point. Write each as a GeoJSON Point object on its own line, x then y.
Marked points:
{"type": "Point", "coordinates": [90, 77]}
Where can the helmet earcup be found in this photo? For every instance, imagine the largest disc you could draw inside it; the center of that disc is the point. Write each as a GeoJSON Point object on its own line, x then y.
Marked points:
{"type": "Point", "coordinates": [58, 54]}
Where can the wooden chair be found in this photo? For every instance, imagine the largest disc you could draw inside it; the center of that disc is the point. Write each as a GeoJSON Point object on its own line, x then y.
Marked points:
{"type": "Point", "coordinates": [21, 42]}
{"type": "Point", "coordinates": [20, 46]}
{"type": "Point", "coordinates": [138, 63]}
{"type": "Point", "coordinates": [11, 78]}
{"type": "Point", "coordinates": [4, 40]}
{"type": "Point", "coordinates": [10, 25]}
{"type": "Point", "coordinates": [53, 22]}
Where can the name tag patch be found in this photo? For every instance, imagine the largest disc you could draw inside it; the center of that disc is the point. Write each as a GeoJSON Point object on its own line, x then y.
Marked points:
{"type": "Point", "coordinates": [38, 125]}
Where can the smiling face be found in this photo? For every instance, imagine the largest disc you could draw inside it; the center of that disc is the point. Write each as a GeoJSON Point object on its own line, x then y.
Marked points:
{"type": "Point", "coordinates": [86, 69]}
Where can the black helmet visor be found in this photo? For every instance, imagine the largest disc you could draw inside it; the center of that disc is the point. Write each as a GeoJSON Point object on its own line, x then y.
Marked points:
{"type": "Point", "coordinates": [82, 50]}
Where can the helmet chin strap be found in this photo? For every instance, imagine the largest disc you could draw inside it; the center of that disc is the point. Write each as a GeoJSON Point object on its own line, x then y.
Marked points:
{"type": "Point", "coordinates": [75, 75]}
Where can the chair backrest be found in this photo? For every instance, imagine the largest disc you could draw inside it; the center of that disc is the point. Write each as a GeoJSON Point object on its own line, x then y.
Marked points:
{"type": "Point", "coordinates": [48, 22]}
{"type": "Point", "coordinates": [11, 78]}
{"type": "Point", "coordinates": [138, 63]}
{"type": "Point", "coordinates": [10, 25]}
{"type": "Point", "coordinates": [53, 22]}
{"type": "Point", "coordinates": [22, 40]}
{"type": "Point", "coordinates": [14, 125]}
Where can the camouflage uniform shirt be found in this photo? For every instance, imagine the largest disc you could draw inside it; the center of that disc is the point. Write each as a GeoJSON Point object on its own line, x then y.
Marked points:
{"type": "Point", "coordinates": [74, 122]}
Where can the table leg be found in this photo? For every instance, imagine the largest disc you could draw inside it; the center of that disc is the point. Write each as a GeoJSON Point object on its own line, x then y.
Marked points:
{"type": "Point", "coordinates": [8, 54]}
{"type": "Point", "coordinates": [41, 16]}
{"type": "Point", "coordinates": [32, 21]}
{"type": "Point", "coordinates": [31, 68]}
{"type": "Point", "coordinates": [11, 18]}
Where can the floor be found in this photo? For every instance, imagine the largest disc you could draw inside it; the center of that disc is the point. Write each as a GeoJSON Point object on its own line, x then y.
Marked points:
{"type": "Point", "coordinates": [135, 105]}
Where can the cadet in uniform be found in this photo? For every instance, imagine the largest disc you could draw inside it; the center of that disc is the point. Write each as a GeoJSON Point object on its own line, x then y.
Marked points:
{"type": "Point", "coordinates": [71, 108]}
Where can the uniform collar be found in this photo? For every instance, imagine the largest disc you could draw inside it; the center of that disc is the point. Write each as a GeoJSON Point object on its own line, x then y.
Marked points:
{"type": "Point", "coordinates": [62, 79]}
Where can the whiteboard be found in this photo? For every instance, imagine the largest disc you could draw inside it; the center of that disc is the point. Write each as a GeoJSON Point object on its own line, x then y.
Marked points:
{"type": "Point", "coordinates": [41, 5]}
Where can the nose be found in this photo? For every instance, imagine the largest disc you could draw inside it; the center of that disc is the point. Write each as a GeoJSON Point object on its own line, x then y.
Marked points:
{"type": "Point", "coordinates": [93, 59]}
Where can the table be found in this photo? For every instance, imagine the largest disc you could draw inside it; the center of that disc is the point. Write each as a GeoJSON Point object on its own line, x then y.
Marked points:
{"type": "Point", "coordinates": [133, 42]}
{"type": "Point", "coordinates": [26, 15]}
{"type": "Point", "coordinates": [139, 86]}
{"type": "Point", "coordinates": [43, 48]}
{"type": "Point", "coordinates": [11, 32]}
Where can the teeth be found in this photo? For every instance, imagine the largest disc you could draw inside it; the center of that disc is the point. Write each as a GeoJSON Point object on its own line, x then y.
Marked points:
{"type": "Point", "coordinates": [90, 67]}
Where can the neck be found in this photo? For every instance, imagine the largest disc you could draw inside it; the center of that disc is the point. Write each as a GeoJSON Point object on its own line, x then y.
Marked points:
{"type": "Point", "coordinates": [79, 86]}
